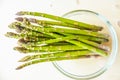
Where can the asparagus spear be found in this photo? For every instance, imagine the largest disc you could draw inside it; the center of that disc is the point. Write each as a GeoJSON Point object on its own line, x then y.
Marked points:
{"type": "Point", "coordinates": [23, 30]}
{"type": "Point", "coordinates": [47, 23]}
{"type": "Point", "coordinates": [13, 35]}
{"type": "Point", "coordinates": [26, 37]}
{"type": "Point", "coordinates": [80, 44]}
{"type": "Point", "coordinates": [91, 43]}
{"type": "Point", "coordinates": [27, 34]}
{"type": "Point", "coordinates": [55, 55]}
{"type": "Point", "coordinates": [90, 47]}
{"type": "Point", "coordinates": [52, 59]}
{"type": "Point", "coordinates": [16, 36]}
{"type": "Point", "coordinates": [35, 39]}
{"type": "Point", "coordinates": [51, 48]}
{"type": "Point", "coordinates": [46, 60]}
{"type": "Point", "coordinates": [53, 40]}
{"type": "Point", "coordinates": [65, 30]}
{"type": "Point", "coordinates": [85, 46]}
{"type": "Point", "coordinates": [34, 33]}
{"type": "Point", "coordinates": [47, 42]}
{"type": "Point", "coordinates": [65, 20]}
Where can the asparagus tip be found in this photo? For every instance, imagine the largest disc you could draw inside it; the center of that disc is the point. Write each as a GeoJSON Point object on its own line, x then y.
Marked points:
{"type": "Point", "coordinates": [26, 58]}
{"type": "Point", "coordinates": [19, 19]}
{"type": "Point", "coordinates": [13, 25]}
{"type": "Point", "coordinates": [19, 67]}
{"type": "Point", "coordinates": [95, 56]}
{"type": "Point", "coordinates": [19, 28]}
{"type": "Point", "coordinates": [20, 13]}
{"type": "Point", "coordinates": [20, 49]}
{"type": "Point", "coordinates": [100, 28]}
{"type": "Point", "coordinates": [10, 34]}
{"type": "Point", "coordinates": [107, 35]}
{"type": "Point", "coordinates": [22, 41]}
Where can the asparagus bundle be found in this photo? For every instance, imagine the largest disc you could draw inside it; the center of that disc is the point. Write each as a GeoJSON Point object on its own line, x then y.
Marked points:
{"type": "Point", "coordinates": [73, 40]}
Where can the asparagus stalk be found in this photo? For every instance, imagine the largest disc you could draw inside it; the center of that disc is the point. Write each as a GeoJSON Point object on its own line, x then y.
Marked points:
{"type": "Point", "coordinates": [51, 48]}
{"type": "Point", "coordinates": [46, 60]}
{"type": "Point", "coordinates": [46, 42]}
{"type": "Point", "coordinates": [26, 37]}
{"type": "Point", "coordinates": [56, 55]}
{"type": "Point", "coordinates": [61, 30]}
{"type": "Point", "coordinates": [13, 35]}
{"type": "Point", "coordinates": [65, 20]}
{"type": "Point", "coordinates": [78, 43]}
{"type": "Point", "coordinates": [52, 59]}
{"type": "Point", "coordinates": [85, 46]}
{"type": "Point", "coordinates": [91, 43]}
{"type": "Point", "coordinates": [34, 39]}
{"type": "Point", "coordinates": [88, 38]}
{"type": "Point", "coordinates": [59, 39]}
{"type": "Point", "coordinates": [24, 30]}
{"type": "Point", "coordinates": [47, 23]}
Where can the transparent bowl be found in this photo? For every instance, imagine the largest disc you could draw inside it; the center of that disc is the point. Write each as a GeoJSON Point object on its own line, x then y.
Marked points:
{"type": "Point", "coordinates": [89, 68]}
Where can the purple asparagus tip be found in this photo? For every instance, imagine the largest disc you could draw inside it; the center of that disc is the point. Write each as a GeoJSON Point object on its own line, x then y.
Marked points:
{"type": "Point", "coordinates": [19, 29]}
{"type": "Point", "coordinates": [22, 41]}
{"type": "Point", "coordinates": [20, 49]}
{"type": "Point", "coordinates": [19, 19]}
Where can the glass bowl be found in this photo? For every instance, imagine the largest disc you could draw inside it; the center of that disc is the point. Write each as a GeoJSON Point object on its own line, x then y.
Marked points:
{"type": "Point", "coordinates": [89, 68]}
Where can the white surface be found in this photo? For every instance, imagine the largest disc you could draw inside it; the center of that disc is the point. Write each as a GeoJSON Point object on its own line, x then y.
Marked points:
{"type": "Point", "coordinates": [9, 57]}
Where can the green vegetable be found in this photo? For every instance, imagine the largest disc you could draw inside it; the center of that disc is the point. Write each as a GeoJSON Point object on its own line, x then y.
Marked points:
{"type": "Point", "coordinates": [27, 24]}
{"type": "Point", "coordinates": [57, 54]}
{"type": "Point", "coordinates": [51, 48]}
{"type": "Point", "coordinates": [47, 59]}
{"type": "Point", "coordinates": [73, 40]}
{"type": "Point", "coordinates": [65, 20]}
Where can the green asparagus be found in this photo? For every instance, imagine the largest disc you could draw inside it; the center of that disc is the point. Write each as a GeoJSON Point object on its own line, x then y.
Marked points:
{"type": "Point", "coordinates": [52, 59]}
{"type": "Point", "coordinates": [47, 60]}
{"type": "Point", "coordinates": [48, 23]}
{"type": "Point", "coordinates": [63, 39]}
{"type": "Point", "coordinates": [51, 48]}
{"type": "Point", "coordinates": [27, 24]}
{"type": "Point", "coordinates": [26, 37]}
{"type": "Point", "coordinates": [34, 33]}
{"type": "Point", "coordinates": [55, 55]}
{"type": "Point", "coordinates": [65, 20]}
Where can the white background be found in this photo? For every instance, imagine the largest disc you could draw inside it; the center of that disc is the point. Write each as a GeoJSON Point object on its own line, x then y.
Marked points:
{"type": "Point", "coordinates": [9, 57]}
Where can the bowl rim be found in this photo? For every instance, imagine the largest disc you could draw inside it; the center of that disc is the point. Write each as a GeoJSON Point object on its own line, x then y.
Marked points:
{"type": "Point", "coordinates": [111, 58]}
